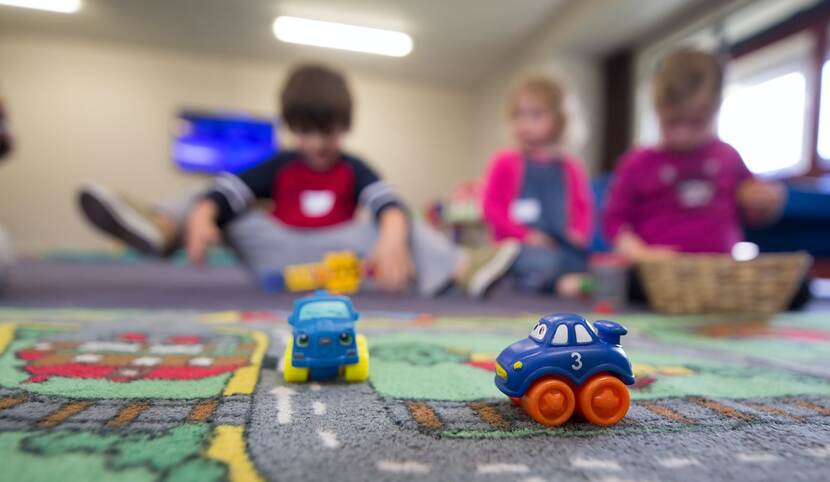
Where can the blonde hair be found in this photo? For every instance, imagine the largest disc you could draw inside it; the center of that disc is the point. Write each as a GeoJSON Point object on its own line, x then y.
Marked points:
{"type": "Point", "coordinates": [547, 91]}
{"type": "Point", "coordinates": [685, 74]}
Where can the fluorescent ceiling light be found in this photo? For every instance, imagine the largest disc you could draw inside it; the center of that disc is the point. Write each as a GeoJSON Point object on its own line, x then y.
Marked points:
{"type": "Point", "coordinates": [62, 6]}
{"type": "Point", "coordinates": [341, 36]}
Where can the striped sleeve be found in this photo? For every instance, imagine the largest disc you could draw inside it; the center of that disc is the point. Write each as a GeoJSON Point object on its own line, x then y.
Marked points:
{"type": "Point", "coordinates": [234, 194]}
{"type": "Point", "coordinates": [371, 191]}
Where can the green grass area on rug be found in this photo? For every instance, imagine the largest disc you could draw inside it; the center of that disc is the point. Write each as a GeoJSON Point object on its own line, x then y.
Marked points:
{"type": "Point", "coordinates": [178, 396]}
{"type": "Point", "coordinates": [460, 367]}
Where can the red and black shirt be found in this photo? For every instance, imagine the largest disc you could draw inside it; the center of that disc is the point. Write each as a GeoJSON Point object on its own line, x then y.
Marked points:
{"type": "Point", "coordinates": [304, 197]}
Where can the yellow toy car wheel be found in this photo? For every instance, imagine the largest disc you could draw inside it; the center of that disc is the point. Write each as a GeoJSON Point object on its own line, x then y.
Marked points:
{"type": "Point", "coordinates": [290, 373]}
{"type": "Point", "coordinates": [359, 372]}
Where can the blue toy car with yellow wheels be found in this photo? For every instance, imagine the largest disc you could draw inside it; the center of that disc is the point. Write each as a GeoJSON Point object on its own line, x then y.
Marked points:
{"type": "Point", "coordinates": [324, 344]}
{"type": "Point", "coordinates": [566, 366]}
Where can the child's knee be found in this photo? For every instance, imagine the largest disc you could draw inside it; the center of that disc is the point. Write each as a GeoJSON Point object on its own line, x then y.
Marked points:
{"type": "Point", "coordinates": [537, 260]}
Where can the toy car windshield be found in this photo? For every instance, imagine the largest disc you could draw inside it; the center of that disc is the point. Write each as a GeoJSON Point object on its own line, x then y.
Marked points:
{"type": "Point", "coordinates": [324, 309]}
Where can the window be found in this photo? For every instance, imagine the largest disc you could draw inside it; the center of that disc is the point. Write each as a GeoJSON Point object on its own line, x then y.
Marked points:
{"type": "Point", "coordinates": [538, 332]}
{"type": "Point", "coordinates": [777, 59]}
{"type": "Point", "coordinates": [324, 309]}
{"type": "Point", "coordinates": [560, 336]}
{"type": "Point", "coordinates": [582, 335]}
{"type": "Point", "coordinates": [765, 122]}
{"type": "Point", "coordinates": [765, 107]}
{"type": "Point", "coordinates": [824, 121]}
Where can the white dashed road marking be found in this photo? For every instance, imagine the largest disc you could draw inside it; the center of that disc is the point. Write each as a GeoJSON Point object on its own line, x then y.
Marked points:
{"type": "Point", "coordinates": [677, 462]}
{"type": "Point", "coordinates": [329, 439]}
{"type": "Point", "coordinates": [283, 335]}
{"type": "Point", "coordinates": [146, 361]}
{"type": "Point", "coordinates": [503, 469]}
{"type": "Point", "coordinates": [284, 410]}
{"type": "Point", "coordinates": [404, 467]}
{"type": "Point", "coordinates": [595, 464]}
{"type": "Point", "coordinates": [319, 408]}
{"type": "Point", "coordinates": [820, 452]}
{"type": "Point", "coordinates": [757, 457]}
{"type": "Point", "coordinates": [88, 358]}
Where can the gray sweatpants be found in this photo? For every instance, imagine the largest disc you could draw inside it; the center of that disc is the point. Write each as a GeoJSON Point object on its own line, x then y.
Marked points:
{"type": "Point", "coordinates": [266, 246]}
{"type": "Point", "coordinates": [538, 269]}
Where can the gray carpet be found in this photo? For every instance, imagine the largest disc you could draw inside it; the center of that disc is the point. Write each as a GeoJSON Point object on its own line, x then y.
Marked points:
{"type": "Point", "coordinates": [160, 285]}
{"type": "Point", "coordinates": [708, 408]}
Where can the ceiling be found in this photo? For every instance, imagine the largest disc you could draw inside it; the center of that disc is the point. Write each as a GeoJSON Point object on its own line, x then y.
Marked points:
{"type": "Point", "coordinates": [620, 22]}
{"type": "Point", "coordinates": [456, 41]}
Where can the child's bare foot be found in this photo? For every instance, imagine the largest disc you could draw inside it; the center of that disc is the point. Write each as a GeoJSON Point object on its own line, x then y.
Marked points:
{"type": "Point", "coordinates": [137, 225]}
{"type": "Point", "coordinates": [570, 285]}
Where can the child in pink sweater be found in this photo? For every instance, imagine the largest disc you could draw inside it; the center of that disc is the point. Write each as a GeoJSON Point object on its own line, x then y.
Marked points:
{"type": "Point", "coordinates": [692, 192]}
{"type": "Point", "coordinates": [537, 195]}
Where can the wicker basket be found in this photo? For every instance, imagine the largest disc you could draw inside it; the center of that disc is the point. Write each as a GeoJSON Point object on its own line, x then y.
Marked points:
{"type": "Point", "coordinates": [716, 283]}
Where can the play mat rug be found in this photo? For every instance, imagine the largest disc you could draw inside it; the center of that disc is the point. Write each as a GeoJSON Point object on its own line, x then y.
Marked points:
{"type": "Point", "coordinates": [180, 396]}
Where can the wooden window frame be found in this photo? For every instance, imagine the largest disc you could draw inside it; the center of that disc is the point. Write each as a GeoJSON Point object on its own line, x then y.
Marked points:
{"type": "Point", "coordinates": [815, 20]}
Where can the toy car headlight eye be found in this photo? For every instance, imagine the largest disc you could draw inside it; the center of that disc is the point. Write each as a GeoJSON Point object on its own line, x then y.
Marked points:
{"type": "Point", "coordinates": [345, 338]}
{"type": "Point", "coordinates": [302, 340]}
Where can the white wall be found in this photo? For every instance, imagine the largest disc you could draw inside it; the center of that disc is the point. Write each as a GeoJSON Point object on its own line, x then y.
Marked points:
{"type": "Point", "coordinates": [582, 81]}
{"type": "Point", "coordinates": [548, 53]}
{"type": "Point", "coordinates": [93, 111]}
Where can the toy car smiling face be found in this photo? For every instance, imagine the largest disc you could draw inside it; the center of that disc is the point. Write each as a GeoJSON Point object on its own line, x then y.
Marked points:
{"type": "Point", "coordinates": [324, 332]}
{"type": "Point", "coordinates": [563, 345]}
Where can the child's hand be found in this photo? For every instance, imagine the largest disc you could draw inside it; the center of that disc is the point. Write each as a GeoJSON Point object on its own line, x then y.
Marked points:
{"type": "Point", "coordinates": [392, 265]}
{"type": "Point", "coordinates": [390, 258]}
{"type": "Point", "coordinates": [655, 253]}
{"type": "Point", "coordinates": [636, 250]}
{"type": "Point", "coordinates": [201, 231]}
{"type": "Point", "coordinates": [760, 201]}
{"type": "Point", "coordinates": [539, 239]}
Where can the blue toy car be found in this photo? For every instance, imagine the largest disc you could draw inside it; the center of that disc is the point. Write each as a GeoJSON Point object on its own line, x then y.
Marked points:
{"type": "Point", "coordinates": [566, 365]}
{"type": "Point", "coordinates": [324, 344]}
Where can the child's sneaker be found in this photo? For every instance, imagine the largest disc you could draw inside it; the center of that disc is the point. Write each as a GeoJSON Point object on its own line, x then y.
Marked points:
{"type": "Point", "coordinates": [487, 266]}
{"type": "Point", "coordinates": [125, 220]}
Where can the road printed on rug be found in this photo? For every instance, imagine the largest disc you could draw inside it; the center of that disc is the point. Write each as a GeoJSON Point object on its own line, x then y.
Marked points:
{"type": "Point", "coordinates": [445, 386]}
{"type": "Point", "coordinates": [797, 342]}
{"type": "Point", "coordinates": [127, 395]}
{"type": "Point", "coordinates": [159, 403]}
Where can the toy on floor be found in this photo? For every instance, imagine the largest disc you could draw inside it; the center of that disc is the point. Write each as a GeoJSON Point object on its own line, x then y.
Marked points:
{"type": "Point", "coordinates": [337, 272]}
{"type": "Point", "coordinates": [323, 343]}
{"type": "Point", "coordinates": [565, 365]}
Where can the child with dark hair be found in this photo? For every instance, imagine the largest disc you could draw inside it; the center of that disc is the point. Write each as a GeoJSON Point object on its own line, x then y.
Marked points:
{"type": "Point", "coordinates": [6, 252]}
{"type": "Point", "coordinates": [316, 190]}
{"type": "Point", "coordinates": [5, 136]}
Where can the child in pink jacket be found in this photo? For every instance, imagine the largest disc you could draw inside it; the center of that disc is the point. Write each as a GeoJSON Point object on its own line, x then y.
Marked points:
{"type": "Point", "coordinates": [537, 195]}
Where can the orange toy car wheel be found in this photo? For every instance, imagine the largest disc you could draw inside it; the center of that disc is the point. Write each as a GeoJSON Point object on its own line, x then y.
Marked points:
{"type": "Point", "coordinates": [604, 399]}
{"type": "Point", "coordinates": [550, 401]}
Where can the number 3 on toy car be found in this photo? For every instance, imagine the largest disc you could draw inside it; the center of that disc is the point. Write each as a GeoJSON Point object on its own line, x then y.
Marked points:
{"type": "Point", "coordinates": [577, 360]}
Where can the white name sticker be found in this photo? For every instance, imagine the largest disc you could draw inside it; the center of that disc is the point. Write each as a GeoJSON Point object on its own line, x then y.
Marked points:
{"type": "Point", "coordinates": [525, 211]}
{"type": "Point", "coordinates": [315, 204]}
